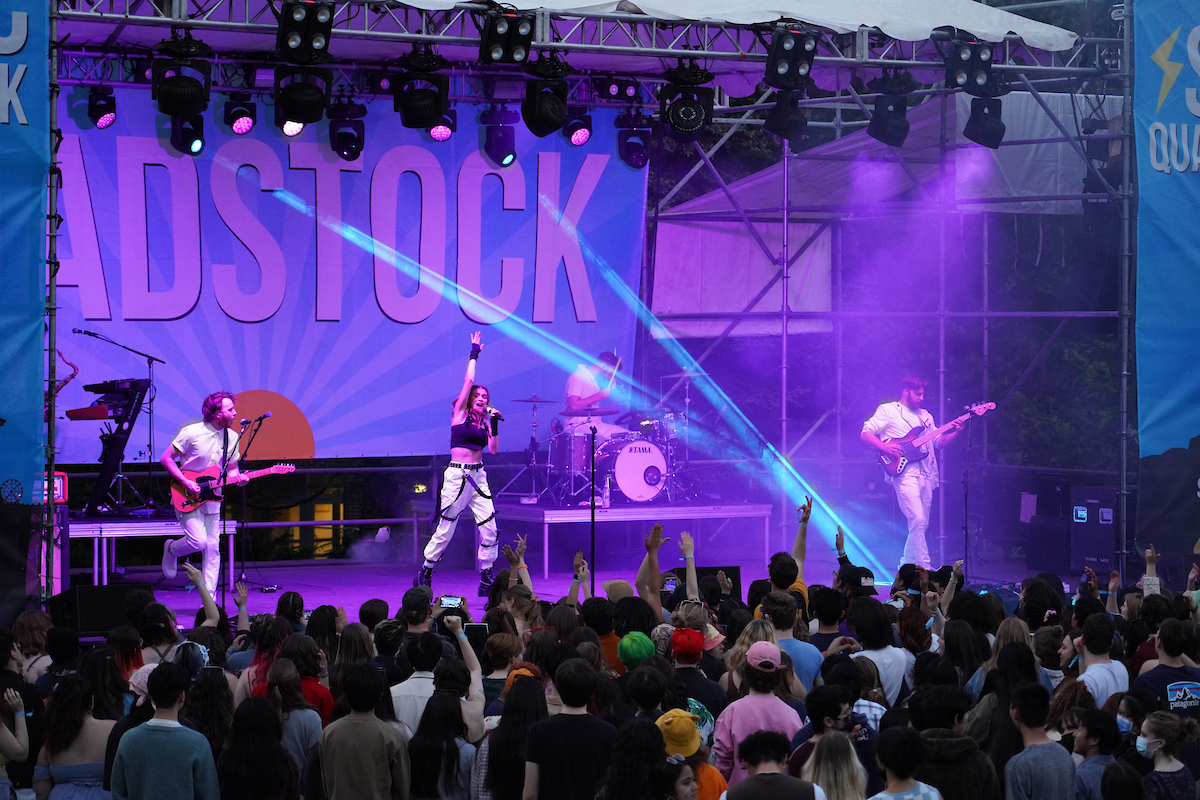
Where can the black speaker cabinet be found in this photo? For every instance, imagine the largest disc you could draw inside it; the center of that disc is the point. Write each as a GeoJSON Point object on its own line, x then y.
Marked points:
{"type": "Point", "coordinates": [1048, 548]}
{"type": "Point", "coordinates": [1093, 529]}
{"type": "Point", "coordinates": [92, 610]}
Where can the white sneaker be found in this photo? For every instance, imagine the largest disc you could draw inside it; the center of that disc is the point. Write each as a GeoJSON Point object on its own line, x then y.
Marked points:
{"type": "Point", "coordinates": [170, 563]}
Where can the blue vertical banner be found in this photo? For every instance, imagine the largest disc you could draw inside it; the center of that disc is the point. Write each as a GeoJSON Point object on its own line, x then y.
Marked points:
{"type": "Point", "coordinates": [1167, 124]}
{"type": "Point", "coordinates": [24, 164]}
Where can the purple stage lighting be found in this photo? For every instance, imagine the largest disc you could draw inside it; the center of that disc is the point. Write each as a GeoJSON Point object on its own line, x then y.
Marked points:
{"type": "Point", "coordinates": [291, 128]}
{"type": "Point", "coordinates": [102, 107]}
{"type": "Point", "coordinates": [580, 137]}
{"type": "Point", "coordinates": [242, 125]}
{"type": "Point", "coordinates": [440, 133]}
{"type": "Point", "coordinates": [578, 127]}
{"type": "Point", "coordinates": [106, 120]}
{"type": "Point", "coordinates": [240, 113]}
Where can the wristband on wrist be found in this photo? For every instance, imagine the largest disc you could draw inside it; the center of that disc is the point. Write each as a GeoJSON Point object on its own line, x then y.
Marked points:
{"type": "Point", "coordinates": [241, 608]}
{"type": "Point", "coordinates": [575, 579]}
{"type": "Point", "coordinates": [692, 557]}
{"type": "Point", "coordinates": [495, 426]}
{"type": "Point", "coordinates": [460, 635]}
{"type": "Point", "coordinates": [522, 565]}
{"type": "Point", "coordinates": [475, 350]}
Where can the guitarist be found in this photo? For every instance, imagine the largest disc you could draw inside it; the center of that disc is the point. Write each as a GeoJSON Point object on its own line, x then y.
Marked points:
{"type": "Point", "coordinates": [198, 447]}
{"type": "Point", "coordinates": [914, 487]}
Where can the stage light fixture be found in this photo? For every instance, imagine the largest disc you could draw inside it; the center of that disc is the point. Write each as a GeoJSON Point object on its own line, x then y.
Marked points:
{"type": "Point", "coordinates": [544, 108]}
{"type": "Point", "coordinates": [683, 103]}
{"type": "Point", "coordinates": [102, 107]}
{"type": "Point", "coordinates": [292, 129]}
{"type": "Point", "coordinates": [181, 80]}
{"type": "Point", "coordinates": [240, 113]}
{"type": "Point", "coordinates": [790, 57]}
{"type": "Point", "coordinates": [445, 128]}
{"type": "Point", "coordinates": [578, 127]}
{"type": "Point", "coordinates": [633, 139]}
{"type": "Point", "coordinates": [969, 67]}
{"type": "Point", "coordinates": [304, 32]}
{"type": "Point", "coordinates": [421, 95]}
{"type": "Point", "coordinates": [506, 38]}
{"type": "Point", "coordinates": [787, 120]}
{"type": "Point", "coordinates": [499, 138]}
{"type": "Point", "coordinates": [889, 124]}
{"type": "Point", "coordinates": [984, 125]}
{"type": "Point", "coordinates": [618, 89]}
{"type": "Point", "coordinates": [347, 132]}
{"type": "Point", "coordinates": [301, 95]}
{"type": "Point", "coordinates": [187, 134]}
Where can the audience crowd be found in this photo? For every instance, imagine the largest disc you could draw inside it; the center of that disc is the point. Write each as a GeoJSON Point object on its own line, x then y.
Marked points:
{"type": "Point", "coordinates": [845, 691]}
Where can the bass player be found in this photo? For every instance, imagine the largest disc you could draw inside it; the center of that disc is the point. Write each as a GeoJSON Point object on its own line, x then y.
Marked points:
{"type": "Point", "coordinates": [196, 448]}
{"type": "Point", "coordinates": [914, 486]}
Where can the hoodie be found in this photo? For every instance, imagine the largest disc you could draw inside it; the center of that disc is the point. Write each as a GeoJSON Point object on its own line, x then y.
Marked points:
{"type": "Point", "coordinates": [956, 767]}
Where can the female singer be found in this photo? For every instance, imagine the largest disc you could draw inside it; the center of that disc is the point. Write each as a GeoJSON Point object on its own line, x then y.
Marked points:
{"type": "Point", "coordinates": [473, 426]}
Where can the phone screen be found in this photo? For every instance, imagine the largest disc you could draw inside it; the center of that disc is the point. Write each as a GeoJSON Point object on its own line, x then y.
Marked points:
{"type": "Point", "coordinates": [670, 585]}
{"type": "Point", "coordinates": [450, 601]}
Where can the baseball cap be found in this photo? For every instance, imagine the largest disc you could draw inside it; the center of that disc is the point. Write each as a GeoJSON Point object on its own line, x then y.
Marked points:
{"type": "Point", "coordinates": [860, 579]}
{"type": "Point", "coordinates": [942, 575]}
{"type": "Point", "coordinates": [617, 590]}
{"type": "Point", "coordinates": [680, 735]}
{"type": "Point", "coordinates": [419, 598]}
{"type": "Point", "coordinates": [764, 656]}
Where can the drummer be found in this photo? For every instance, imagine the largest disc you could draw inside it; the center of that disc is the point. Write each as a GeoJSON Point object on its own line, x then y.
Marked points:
{"type": "Point", "coordinates": [584, 391]}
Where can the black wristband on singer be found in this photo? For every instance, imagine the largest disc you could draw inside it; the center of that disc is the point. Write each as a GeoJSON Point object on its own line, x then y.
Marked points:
{"type": "Point", "coordinates": [495, 426]}
{"type": "Point", "coordinates": [475, 350]}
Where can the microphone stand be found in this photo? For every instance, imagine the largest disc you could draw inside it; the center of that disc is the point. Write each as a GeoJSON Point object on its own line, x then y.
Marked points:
{"type": "Point", "coordinates": [264, 587]}
{"type": "Point", "coordinates": [592, 549]}
{"type": "Point", "coordinates": [149, 401]}
{"type": "Point", "coordinates": [966, 503]}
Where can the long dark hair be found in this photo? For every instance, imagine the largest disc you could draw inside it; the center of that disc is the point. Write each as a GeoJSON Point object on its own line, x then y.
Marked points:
{"type": "Point", "coordinates": [157, 626]}
{"type": "Point", "coordinates": [209, 706]}
{"type": "Point", "coordinates": [284, 689]}
{"type": "Point", "coordinates": [69, 706]}
{"type": "Point", "coordinates": [322, 627]}
{"type": "Point", "coordinates": [256, 765]}
{"type": "Point", "coordinates": [433, 751]}
{"type": "Point", "coordinates": [638, 749]}
{"type": "Point", "coordinates": [126, 644]}
{"type": "Point", "coordinates": [266, 649]}
{"type": "Point", "coordinates": [99, 668]}
{"type": "Point", "coordinates": [964, 649]}
{"type": "Point", "coordinates": [525, 705]}
{"type": "Point", "coordinates": [354, 648]}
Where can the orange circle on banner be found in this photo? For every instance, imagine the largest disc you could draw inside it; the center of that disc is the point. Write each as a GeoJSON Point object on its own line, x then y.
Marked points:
{"type": "Point", "coordinates": [286, 435]}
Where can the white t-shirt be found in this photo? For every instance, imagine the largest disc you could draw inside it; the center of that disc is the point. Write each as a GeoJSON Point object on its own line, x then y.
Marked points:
{"type": "Point", "coordinates": [893, 420]}
{"type": "Point", "coordinates": [1103, 680]}
{"type": "Point", "coordinates": [200, 446]}
{"type": "Point", "coordinates": [891, 664]}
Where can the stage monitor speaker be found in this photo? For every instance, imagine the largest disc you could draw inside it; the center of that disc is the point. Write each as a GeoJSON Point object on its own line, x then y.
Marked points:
{"type": "Point", "coordinates": [1093, 529]}
{"type": "Point", "coordinates": [1048, 548]}
{"type": "Point", "coordinates": [92, 610]}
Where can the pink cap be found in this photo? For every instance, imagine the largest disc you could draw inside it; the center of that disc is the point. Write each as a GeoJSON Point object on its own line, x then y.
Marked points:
{"type": "Point", "coordinates": [764, 657]}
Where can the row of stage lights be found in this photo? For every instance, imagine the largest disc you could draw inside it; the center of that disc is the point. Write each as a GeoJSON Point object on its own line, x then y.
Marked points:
{"type": "Point", "coordinates": [181, 81]}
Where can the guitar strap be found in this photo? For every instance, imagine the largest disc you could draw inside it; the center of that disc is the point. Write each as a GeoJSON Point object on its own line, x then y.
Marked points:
{"type": "Point", "coordinates": [224, 455]}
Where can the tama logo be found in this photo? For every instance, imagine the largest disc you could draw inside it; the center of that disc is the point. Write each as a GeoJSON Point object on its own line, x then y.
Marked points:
{"type": "Point", "coordinates": [642, 449]}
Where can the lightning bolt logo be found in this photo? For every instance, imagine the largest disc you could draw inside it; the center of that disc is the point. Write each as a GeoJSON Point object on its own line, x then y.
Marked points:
{"type": "Point", "coordinates": [1171, 69]}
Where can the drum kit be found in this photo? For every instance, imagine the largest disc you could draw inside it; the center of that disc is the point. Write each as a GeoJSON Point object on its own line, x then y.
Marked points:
{"type": "Point", "coordinates": [647, 462]}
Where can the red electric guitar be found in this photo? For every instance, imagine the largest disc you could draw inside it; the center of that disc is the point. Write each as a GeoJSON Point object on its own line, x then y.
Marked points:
{"type": "Point", "coordinates": [184, 501]}
{"type": "Point", "coordinates": [912, 442]}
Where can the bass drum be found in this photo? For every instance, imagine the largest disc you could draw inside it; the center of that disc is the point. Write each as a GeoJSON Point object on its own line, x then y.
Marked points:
{"type": "Point", "coordinates": [638, 468]}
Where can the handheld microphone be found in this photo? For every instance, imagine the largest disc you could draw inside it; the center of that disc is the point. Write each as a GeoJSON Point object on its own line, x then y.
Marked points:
{"type": "Point", "coordinates": [80, 330]}
{"type": "Point", "coordinates": [245, 422]}
{"type": "Point", "coordinates": [494, 413]}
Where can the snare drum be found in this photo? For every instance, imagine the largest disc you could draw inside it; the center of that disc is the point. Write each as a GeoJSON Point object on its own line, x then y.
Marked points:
{"type": "Point", "coordinates": [637, 467]}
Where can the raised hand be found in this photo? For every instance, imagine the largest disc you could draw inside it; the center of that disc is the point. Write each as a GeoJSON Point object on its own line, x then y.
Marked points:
{"type": "Point", "coordinates": [577, 561]}
{"type": "Point", "coordinates": [194, 575]}
{"type": "Point", "coordinates": [512, 558]}
{"type": "Point", "coordinates": [13, 701]}
{"type": "Point", "coordinates": [340, 622]}
{"type": "Point", "coordinates": [477, 339]}
{"type": "Point", "coordinates": [1195, 572]}
{"type": "Point", "coordinates": [583, 573]}
{"type": "Point", "coordinates": [957, 572]}
{"type": "Point", "coordinates": [1093, 582]}
{"type": "Point", "coordinates": [725, 583]}
{"type": "Point", "coordinates": [654, 539]}
{"type": "Point", "coordinates": [240, 594]}
{"type": "Point", "coordinates": [839, 541]}
{"type": "Point", "coordinates": [686, 546]}
{"type": "Point", "coordinates": [520, 549]}
{"type": "Point", "coordinates": [805, 510]}
{"type": "Point", "coordinates": [1151, 556]}
{"type": "Point", "coordinates": [453, 623]}
{"type": "Point", "coordinates": [1114, 581]}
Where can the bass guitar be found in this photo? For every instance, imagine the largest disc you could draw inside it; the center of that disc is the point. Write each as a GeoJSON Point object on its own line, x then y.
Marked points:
{"type": "Point", "coordinates": [210, 485]}
{"type": "Point", "coordinates": [912, 442]}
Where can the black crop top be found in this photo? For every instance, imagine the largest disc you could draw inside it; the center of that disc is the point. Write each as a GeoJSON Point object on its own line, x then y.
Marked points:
{"type": "Point", "coordinates": [469, 435]}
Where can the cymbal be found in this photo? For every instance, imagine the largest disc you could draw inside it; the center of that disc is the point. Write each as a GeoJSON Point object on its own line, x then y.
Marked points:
{"type": "Point", "coordinates": [533, 399]}
{"type": "Point", "coordinates": [687, 374]}
{"type": "Point", "coordinates": [595, 411]}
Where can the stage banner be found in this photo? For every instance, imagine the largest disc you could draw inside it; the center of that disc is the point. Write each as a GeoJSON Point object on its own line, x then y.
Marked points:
{"type": "Point", "coordinates": [1167, 120]}
{"type": "Point", "coordinates": [340, 295]}
{"type": "Point", "coordinates": [24, 170]}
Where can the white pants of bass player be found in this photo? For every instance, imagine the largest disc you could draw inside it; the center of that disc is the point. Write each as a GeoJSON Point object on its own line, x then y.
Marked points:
{"type": "Point", "coordinates": [914, 493]}
{"type": "Point", "coordinates": [464, 487]}
{"type": "Point", "coordinates": [201, 532]}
